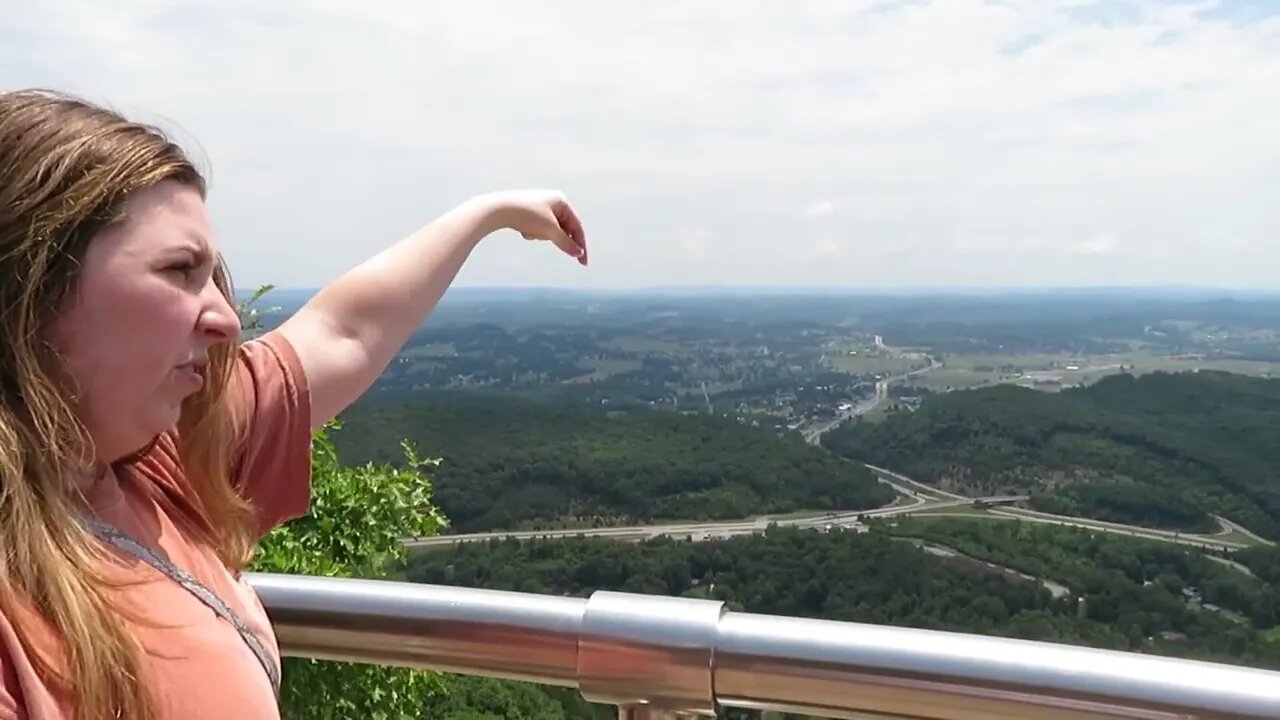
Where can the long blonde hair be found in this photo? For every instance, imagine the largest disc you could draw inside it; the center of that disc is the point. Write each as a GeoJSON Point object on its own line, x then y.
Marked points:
{"type": "Point", "coordinates": [66, 167]}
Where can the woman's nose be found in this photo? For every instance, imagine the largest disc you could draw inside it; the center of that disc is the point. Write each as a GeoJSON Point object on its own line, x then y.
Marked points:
{"type": "Point", "coordinates": [219, 318]}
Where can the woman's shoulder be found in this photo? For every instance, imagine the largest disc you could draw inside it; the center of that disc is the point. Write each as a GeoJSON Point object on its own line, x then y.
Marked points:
{"type": "Point", "coordinates": [267, 372]}
{"type": "Point", "coordinates": [10, 686]}
{"type": "Point", "coordinates": [272, 407]}
{"type": "Point", "coordinates": [22, 692]}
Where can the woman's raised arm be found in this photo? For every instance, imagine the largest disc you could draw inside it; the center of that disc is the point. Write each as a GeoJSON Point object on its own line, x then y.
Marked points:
{"type": "Point", "coordinates": [351, 330]}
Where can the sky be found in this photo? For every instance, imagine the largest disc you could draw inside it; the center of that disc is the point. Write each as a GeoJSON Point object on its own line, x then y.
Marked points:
{"type": "Point", "coordinates": [836, 143]}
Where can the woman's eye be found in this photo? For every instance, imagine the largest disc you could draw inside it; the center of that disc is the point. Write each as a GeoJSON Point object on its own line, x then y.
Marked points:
{"type": "Point", "coordinates": [182, 268]}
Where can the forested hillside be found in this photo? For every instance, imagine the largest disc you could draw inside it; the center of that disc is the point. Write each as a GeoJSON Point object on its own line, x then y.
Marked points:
{"type": "Point", "coordinates": [508, 463]}
{"type": "Point", "coordinates": [1162, 450]}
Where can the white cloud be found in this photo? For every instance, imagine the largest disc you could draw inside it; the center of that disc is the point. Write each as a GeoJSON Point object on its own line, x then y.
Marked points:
{"type": "Point", "coordinates": [818, 209]}
{"type": "Point", "coordinates": [1103, 243]}
{"type": "Point", "coordinates": [824, 250]}
{"type": "Point", "coordinates": [333, 128]}
{"type": "Point", "coordinates": [694, 242]}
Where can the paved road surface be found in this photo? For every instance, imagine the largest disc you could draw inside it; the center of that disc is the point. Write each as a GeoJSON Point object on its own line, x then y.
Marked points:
{"type": "Point", "coordinates": [1202, 541]}
{"type": "Point", "coordinates": [913, 497]}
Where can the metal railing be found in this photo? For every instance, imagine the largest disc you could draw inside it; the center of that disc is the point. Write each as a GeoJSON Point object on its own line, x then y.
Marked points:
{"type": "Point", "coordinates": [667, 657]}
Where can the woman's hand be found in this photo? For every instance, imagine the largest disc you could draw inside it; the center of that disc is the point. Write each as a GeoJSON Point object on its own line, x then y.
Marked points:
{"type": "Point", "coordinates": [540, 215]}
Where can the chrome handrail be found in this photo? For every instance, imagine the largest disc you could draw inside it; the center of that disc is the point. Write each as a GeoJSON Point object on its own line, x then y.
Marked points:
{"type": "Point", "coordinates": [662, 657]}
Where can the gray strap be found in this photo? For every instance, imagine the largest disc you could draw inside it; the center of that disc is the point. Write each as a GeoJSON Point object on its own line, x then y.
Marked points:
{"type": "Point", "coordinates": [114, 536]}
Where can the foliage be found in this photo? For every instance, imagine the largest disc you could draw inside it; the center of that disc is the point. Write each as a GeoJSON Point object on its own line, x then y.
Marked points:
{"type": "Point", "coordinates": [1264, 561]}
{"type": "Point", "coordinates": [1091, 564]}
{"type": "Point", "coordinates": [252, 318]}
{"type": "Point", "coordinates": [879, 579]}
{"type": "Point", "coordinates": [1163, 449]}
{"type": "Point", "coordinates": [506, 462]}
{"type": "Point", "coordinates": [1127, 503]}
{"type": "Point", "coordinates": [479, 698]}
{"type": "Point", "coordinates": [358, 517]}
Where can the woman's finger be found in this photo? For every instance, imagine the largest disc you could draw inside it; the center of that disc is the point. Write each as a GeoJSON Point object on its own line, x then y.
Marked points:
{"type": "Point", "coordinates": [562, 240]}
{"type": "Point", "coordinates": [571, 224]}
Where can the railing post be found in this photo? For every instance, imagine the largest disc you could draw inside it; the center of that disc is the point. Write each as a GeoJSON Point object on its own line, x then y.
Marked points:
{"type": "Point", "coordinates": [650, 655]}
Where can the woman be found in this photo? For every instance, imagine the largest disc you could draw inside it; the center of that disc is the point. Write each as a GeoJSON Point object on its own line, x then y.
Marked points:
{"type": "Point", "coordinates": [143, 448]}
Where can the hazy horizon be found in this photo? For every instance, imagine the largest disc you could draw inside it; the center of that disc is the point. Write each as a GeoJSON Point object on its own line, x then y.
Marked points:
{"type": "Point", "coordinates": [1153, 290]}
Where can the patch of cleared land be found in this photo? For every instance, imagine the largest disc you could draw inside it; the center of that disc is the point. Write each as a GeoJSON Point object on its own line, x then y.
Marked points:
{"type": "Point", "coordinates": [958, 511]}
{"type": "Point", "coordinates": [946, 378]}
{"type": "Point", "coordinates": [648, 345]}
{"type": "Point", "coordinates": [1049, 372]}
{"type": "Point", "coordinates": [1235, 537]}
{"type": "Point", "coordinates": [599, 369]}
{"type": "Point", "coordinates": [870, 361]}
{"type": "Point", "coordinates": [431, 350]}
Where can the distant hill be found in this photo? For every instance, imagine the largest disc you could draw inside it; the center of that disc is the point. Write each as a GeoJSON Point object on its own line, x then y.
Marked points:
{"type": "Point", "coordinates": [509, 462]}
{"type": "Point", "coordinates": [1161, 450]}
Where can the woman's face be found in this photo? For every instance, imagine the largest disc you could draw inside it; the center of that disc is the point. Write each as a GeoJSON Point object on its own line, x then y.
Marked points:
{"type": "Point", "coordinates": [135, 334]}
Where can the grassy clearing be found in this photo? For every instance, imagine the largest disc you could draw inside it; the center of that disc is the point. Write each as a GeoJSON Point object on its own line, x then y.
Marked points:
{"type": "Point", "coordinates": [869, 362]}
{"type": "Point", "coordinates": [1148, 363]}
{"type": "Point", "coordinates": [431, 350]}
{"type": "Point", "coordinates": [969, 371]}
{"type": "Point", "coordinates": [640, 344]}
{"type": "Point", "coordinates": [1022, 363]}
{"type": "Point", "coordinates": [1136, 362]}
{"type": "Point", "coordinates": [601, 369]}
{"type": "Point", "coordinates": [423, 366]}
{"type": "Point", "coordinates": [800, 515]}
{"type": "Point", "coordinates": [961, 510]}
{"type": "Point", "coordinates": [1235, 537]}
{"type": "Point", "coordinates": [947, 378]}
{"type": "Point", "coordinates": [876, 415]}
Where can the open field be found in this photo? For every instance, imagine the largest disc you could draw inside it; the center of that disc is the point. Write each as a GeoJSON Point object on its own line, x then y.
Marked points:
{"type": "Point", "coordinates": [1236, 537]}
{"type": "Point", "coordinates": [869, 362]}
{"type": "Point", "coordinates": [641, 344]}
{"type": "Point", "coordinates": [599, 369]}
{"type": "Point", "coordinates": [956, 511]}
{"type": "Point", "coordinates": [1014, 363]}
{"type": "Point", "coordinates": [1046, 371]}
{"type": "Point", "coordinates": [947, 378]}
{"type": "Point", "coordinates": [430, 351]}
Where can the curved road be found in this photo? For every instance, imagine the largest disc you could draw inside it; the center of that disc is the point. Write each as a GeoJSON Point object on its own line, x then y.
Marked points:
{"type": "Point", "coordinates": [913, 497]}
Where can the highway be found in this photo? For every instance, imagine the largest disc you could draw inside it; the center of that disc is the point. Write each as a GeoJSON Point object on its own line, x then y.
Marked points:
{"type": "Point", "coordinates": [1201, 541]}
{"type": "Point", "coordinates": [913, 497]}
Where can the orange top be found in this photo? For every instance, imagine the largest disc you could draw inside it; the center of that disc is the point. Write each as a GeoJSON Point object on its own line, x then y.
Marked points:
{"type": "Point", "coordinates": [197, 663]}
